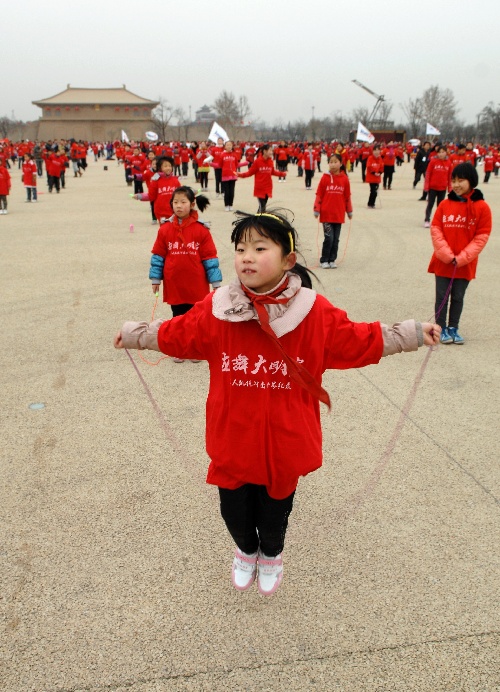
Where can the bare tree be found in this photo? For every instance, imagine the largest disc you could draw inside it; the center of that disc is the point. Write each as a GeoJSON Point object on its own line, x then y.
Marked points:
{"type": "Point", "coordinates": [232, 112]}
{"type": "Point", "coordinates": [360, 115]}
{"type": "Point", "coordinates": [5, 126]}
{"type": "Point", "coordinates": [413, 112]}
{"type": "Point", "coordinates": [384, 114]}
{"type": "Point", "coordinates": [161, 117]}
{"type": "Point", "coordinates": [183, 124]}
{"type": "Point", "coordinates": [489, 122]}
{"type": "Point", "coordinates": [438, 105]}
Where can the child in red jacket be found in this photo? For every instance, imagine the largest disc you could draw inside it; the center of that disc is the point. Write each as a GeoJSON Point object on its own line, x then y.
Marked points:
{"type": "Point", "coordinates": [437, 181]}
{"type": "Point", "coordinates": [263, 170]}
{"type": "Point", "coordinates": [460, 229]}
{"type": "Point", "coordinates": [333, 201]}
{"type": "Point", "coordinates": [268, 339]}
{"type": "Point", "coordinates": [5, 184]}
{"type": "Point", "coordinates": [184, 254]}
{"type": "Point", "coordinates": [373, 174]}
{"type": "Point", "coordinates": [161, 187]}
{"type": "Point", "coordinates": [29, 177]}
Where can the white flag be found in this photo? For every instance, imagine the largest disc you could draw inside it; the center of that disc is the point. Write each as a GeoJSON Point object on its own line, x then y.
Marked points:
{"type": "Point", "coordinates": [431, 130]}
{"type": "Point", "coordinates": [151, 136]}
{"type": "Point", "coordinates": [364, 134]}
{"type": "Point", "coordinates": [216, 132]}
{"type": "Point", "coordinates": [125, 137]}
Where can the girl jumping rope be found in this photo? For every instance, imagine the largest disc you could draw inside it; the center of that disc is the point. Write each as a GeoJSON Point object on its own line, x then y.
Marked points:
{"type": "Point", "coordinates": [332, 203]}
{"type": "Point", "coordinates": [263, 170]}
{"type": "Point", "coordinates": [268, 338]}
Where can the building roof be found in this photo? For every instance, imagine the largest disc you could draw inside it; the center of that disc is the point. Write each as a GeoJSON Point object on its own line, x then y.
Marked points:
{"type": "Point", "coordinates": [114, 97]}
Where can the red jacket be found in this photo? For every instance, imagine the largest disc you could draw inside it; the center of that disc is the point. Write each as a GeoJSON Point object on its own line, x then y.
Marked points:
{"type": "Point", "coordinates": [389, 156]}
{"type": "Point", "coordinates": [54, 165]}
{"type": "Point", "coordinates": [438, 175]}
{"type": "Point", "coordinates": [229, 164]}
{"type": "Point", "coordinates": [160, 191]}
{"type": "Point", "coordinates": [253, 406]}
{"type": "Point", "coordinates": [184, 247]}
{"type": "Point", "coordinates": [333, 198]}
{"type": "Point", "coordinates": [29, 173]}
{"type": "Point", "coordinates": [374, 169]}
{"type": "Point", "coordinates": [263, 170]}
{"type": "Point", "coordinates": [5, 182]}
{"type": "Point", "coordinates": [489, 162]}
{"type": "Point", "coordinates": [460, 229]}
{"type": "Point", "coordinates": [308, 160]}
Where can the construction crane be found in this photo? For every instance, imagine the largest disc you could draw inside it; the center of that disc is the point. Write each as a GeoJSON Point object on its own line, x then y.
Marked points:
{"type": "Point", "coordinates": [380, 100]}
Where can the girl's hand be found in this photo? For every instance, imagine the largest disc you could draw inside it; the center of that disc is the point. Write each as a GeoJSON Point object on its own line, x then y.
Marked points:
{"type": "Point", "coordinates": [349, 214]}
{"type": "Point", "coordinates": [432, 333]}
{"type": "Point", "coordinates": [117, 341]}
{"type": "Point", "coordinates": [316, 214]}
{"type": "Point", "coordinates": [156, 288]}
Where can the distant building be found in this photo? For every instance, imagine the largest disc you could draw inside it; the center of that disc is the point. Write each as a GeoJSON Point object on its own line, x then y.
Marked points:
{"type": "Point", "coordinates": [205, 115]}
{"type": "Point", "coordinates": [94, 115]}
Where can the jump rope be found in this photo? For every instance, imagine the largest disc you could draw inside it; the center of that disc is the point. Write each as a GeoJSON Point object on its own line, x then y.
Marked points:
{"type": "Point", "coordinates": [359, 498]}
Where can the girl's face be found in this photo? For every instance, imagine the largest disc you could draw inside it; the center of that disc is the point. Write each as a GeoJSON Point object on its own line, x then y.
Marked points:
{"type": "Point", "coordinates": [442, 154]}
{"type": "Point", "coordinates": [267, 153]}
{"type": "Point", "coordinates": [220, 142]}
{"type": "Point", "coordinates": [259, 262]}
{"type": "Point", "coordinates": [166, 167]}
{"type": "Point", "coordinates": [182, 206]}
{"type": "Point", "coordinates": [228, 146]}
{"type": "Point", "coordinates": [376, 153]}
{"type": "Point", "coordinates": [334, 165]}
{"type": "Point", "coordinates": [461, 186]}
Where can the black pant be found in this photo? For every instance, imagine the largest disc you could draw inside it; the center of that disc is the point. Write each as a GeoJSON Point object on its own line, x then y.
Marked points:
{"type": "Point", "coordinates": [457, 295]}
{"type": "Point", "coordinates": [262, 203]}
{"type": "Point", "coordinates": [309, 177]}
{"type": "Point", "coordinates": [418, 174]}
{"type": "Point", "coordinates": [39, 167]}
{"type": "Point", "coordinates": [487, 176]}
{"type": "Point", "coordinates": [228, 190]}
{"type": "Point", "coordinates": [53, 182]}
{"type": "Point", "coordinates": [331, 242]}
{"type": "Point", "coordinates": [438, 195]}
{"type": "Point", "coordinates": [373, 194]}
{"type": "Point", "coordinates": [152, 205]}
{"type": "Point", "coordinates": [185, 167]}
{"type": "Point", "coordinates": [388, 173]}
{"type": "Point", "coordinates": [254, 519]}
{"type": "Point", "coordinates": [138, 188]}
{"type": "Point", "coordinates": [203, 179]}
{"type": "Point", "coordinates": [181, 308]}
{"type": "Point", "coordinates": [3, 201]}
{"type": "Point", "coordinates": [218, 179]}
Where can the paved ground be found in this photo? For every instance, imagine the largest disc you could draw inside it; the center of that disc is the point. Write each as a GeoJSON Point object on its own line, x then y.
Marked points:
{"type": "Point", "coordinates": [114, 561]}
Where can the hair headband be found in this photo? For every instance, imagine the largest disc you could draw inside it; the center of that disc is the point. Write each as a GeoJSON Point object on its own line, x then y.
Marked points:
{"type": "Point", "coordinates": [277, 218]}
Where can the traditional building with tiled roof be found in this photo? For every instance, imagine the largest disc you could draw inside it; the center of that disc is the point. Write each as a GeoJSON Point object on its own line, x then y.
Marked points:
{"type": "Point", "coordinates": [94, 114]}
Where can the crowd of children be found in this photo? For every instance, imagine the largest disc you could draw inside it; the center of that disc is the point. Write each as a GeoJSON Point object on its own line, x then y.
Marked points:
{"type": "Point", "coordinates": [268, 336]}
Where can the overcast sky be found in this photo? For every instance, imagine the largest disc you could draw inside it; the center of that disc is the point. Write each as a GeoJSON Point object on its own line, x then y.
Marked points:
{"type": "Point", "coordinates": [286, 56]}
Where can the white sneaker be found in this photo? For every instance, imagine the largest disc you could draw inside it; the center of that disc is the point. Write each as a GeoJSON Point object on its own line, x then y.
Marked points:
{"type": "Point", "coordinates": [427, 224]}
{"type": "Point", "coordinates": [325, 265]}
{"type": "Point", "coordinates": [333, 265]}
{"type": "Point", "coordinates": [244, 570]}
{"type": "Point", "coordinates": [228, 209]}
{"type": "Point", "coordinates": [270, 573]}
{"type": "Point", "coordinates": [178, 360]}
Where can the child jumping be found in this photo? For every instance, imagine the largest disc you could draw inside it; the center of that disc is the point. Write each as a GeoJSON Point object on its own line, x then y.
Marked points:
{"type": "Point", "coordinates": [460, 229]}
{"type": "Point", "coordinates": [184, 256]}
{"type": "Point", "coordinates": [332, 203]}
{"type": "Point", "coordinates": [268, 338]}
{"type": "Point", "coordinates": [263, 170]}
